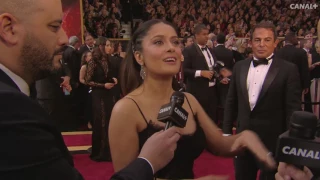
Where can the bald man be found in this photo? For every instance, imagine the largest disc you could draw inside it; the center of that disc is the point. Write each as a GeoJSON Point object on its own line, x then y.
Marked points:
{"type": "Point", "coordinates": [31, 45]}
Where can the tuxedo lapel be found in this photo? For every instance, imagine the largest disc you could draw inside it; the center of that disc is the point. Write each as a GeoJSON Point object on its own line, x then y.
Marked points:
{"type": "Point", "coordinates": [7, 80]}
{"type": "Point", "coordinates": [272, 73]}
{"type": "Point", "coordinates": [201, 54]}
{"type": "Point", "coordinates": [243, 80]}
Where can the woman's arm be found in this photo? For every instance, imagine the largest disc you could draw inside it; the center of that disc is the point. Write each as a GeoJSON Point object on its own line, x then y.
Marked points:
{"type": "Point", "coordinates": [230, 145]}
{"type": "Point", "coordinates": [123, 134]}
{"type": "Point", "coordinates": [82, 74]}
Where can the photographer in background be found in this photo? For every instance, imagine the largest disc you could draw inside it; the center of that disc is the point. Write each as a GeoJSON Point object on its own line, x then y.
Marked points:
{"type": "Point", "coordinates": [198, 67]}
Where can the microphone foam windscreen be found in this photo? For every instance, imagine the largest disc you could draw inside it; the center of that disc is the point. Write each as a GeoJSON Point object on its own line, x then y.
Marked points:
{"type": "Point", "coordinates": [179, 96]}
{"type": "Point", "coordinates": [304, 119]}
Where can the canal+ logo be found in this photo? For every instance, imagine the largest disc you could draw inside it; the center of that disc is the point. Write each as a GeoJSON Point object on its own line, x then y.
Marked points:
{"type": "Point", "coordinates": [304, 6]}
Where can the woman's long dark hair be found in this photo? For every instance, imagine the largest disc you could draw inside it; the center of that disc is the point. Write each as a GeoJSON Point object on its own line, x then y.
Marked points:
{"type": "Point", "coordinates": [99, 53]}
{"type": "Point", "coordinates": [130, 70]}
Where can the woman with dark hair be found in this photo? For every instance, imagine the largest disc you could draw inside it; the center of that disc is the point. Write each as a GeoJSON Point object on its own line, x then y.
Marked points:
{"type": "Point", "coordinates": [100, 77]}
{"type": "Point", "coordinates": [153, 58]}
{"type": "Point", "coordinates": [85, 89]}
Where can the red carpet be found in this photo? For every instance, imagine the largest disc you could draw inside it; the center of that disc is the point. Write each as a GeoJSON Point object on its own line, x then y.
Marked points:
{"type": "Point", "coordinates": [77, 140]}
{"type": "Point", "coordinates": [206, 164]}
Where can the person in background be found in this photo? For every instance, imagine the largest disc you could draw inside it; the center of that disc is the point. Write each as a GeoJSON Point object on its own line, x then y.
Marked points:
{"type": "Point", "coordinates": [116, 60]}
{"type": "Point", "coordinates": [73, 60]}
{"type": "Point", "coordinates": [263, 93]}
{"type": "Point", "coordinates": [198, 65]}
{"type": "Point", "coordinates": [100, 77]}
{"type": "Point", "coordinates": [187, 41]}
{"type": "Point", "coordinates": [88, 46]}
{"type": "Point", "coordinates": [86, 58]}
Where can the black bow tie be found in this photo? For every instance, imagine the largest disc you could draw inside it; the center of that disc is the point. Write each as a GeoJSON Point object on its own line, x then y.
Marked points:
{"type": "Point", "coordinates": [261, 61]}
{"type": "Point", "coordinates": [204, 48]}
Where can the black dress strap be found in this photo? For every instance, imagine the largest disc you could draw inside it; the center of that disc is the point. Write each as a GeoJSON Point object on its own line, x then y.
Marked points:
{"type": "Point", "coordinates": [139, 109]}
{"type": "Point", "coordinates": [190, 106]}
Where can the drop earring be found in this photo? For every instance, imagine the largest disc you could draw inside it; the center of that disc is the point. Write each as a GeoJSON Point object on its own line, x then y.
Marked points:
{"type": "Point", "coordinates": [142, 72]}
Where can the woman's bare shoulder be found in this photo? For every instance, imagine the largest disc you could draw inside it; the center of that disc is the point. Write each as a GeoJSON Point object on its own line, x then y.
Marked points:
{"type": "Point", "coordinates": [124, 105]}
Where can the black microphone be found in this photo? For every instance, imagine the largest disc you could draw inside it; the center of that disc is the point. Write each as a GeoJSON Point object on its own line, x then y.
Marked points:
{"type": "Point", "coordinates": [173, 113]}
{"type": "Point", "coordinates": [299, 145]}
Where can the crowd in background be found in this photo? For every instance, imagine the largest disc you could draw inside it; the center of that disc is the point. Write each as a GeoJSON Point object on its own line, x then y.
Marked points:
{"type": "Point", "coordinates": [235, 18]}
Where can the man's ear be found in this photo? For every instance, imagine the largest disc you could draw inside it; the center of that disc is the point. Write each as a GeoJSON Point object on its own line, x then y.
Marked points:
{"type": "Point", "coordinates": [276, 42]}
{"type": "Point", "coordinates": [139, 57]}
{"type": "Point", "coordinates": [8, 30]}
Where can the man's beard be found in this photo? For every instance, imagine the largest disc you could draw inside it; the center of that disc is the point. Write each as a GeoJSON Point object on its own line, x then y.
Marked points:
{"type": "Point", "coordinates": [36, 59]}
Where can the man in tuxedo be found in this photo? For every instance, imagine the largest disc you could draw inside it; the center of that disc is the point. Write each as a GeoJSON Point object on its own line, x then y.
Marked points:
{"type": "Point", "coordinates": [198, 65]}
{"type": "Point", "coordinates": [298, 57]}
{"type": "Point", "coordinates": [72, 58]}
{"type": "Point", "coordinates": [222, 53]}
{"type": "Point", "coordinates": [226, 56]}
{"type": "Point", "coordinates": [88, 46]}
{"type": "Point", "coordinates": [263, 93]}
{"type": "Point", "coordinates": [31, 39]}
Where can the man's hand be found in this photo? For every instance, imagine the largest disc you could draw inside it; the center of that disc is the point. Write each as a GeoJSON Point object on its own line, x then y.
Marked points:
{"type": "Point", "coordinates": [115, 80]}
{"type": "Point", "coordinates": [66, 83]}
{"type": "Point", "coordinates": [224, 72]}
{"type": "Point", "coordinates": [289, 172]}
{"type": "Point", "coordinates": [108, 85]}
{"type": "Point", "coordinates": [207, 74]}
{"type": "Point", "coordinates": [225, 81]}
{"type": "Point", "coordinates": [159, 148]}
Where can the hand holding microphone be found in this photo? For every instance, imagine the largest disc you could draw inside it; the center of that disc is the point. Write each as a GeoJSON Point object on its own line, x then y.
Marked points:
{"type": "Point", "coordinates": [159, 148]}
{"type": "Point", "coordinates": [172, 113]}
{"type": "Point", "coordinates": [288, 172]}
{"type": "Point", "coordinates": [299, 146]}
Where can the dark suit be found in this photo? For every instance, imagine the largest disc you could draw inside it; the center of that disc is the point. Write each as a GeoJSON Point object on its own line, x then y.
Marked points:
{"type": "Point", "coordinates": [199, 86]}
{"type": "Point", "coordinates": [279, 97]}
{"type": "Point", "coordinates": [298, 57]}
{"type": "Point", "coordinates": [32, 146]}
{"type": "Point", "coordinates": [225, 55]}
{"type": "Point", "coordinates": [84, 48]}
{"type": "Point", "coordinates": [137, 170]}
{"type": "Point", "coordinates": [72, 57]}
{"type": "Point", "coordinates": [51, 97]}
{"type": "Point", "coordinates": [115, 62]}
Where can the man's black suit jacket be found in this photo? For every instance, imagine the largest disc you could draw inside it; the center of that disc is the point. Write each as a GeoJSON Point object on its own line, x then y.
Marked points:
{"type": "Point", "coordinates": [72, 57]}
{"type": "Point", "coordinates": [84, 48]}
{"type": "Point", "coordinates": [33, 148]}
{"type": "Point", "coordinates": [298, 57]}
{"type": "Point", "coordinates": [194, 60]}
{"type": "Point", "coordinates": [279, 97]}
{"type": "Point", "coordinates": [225, 55]}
